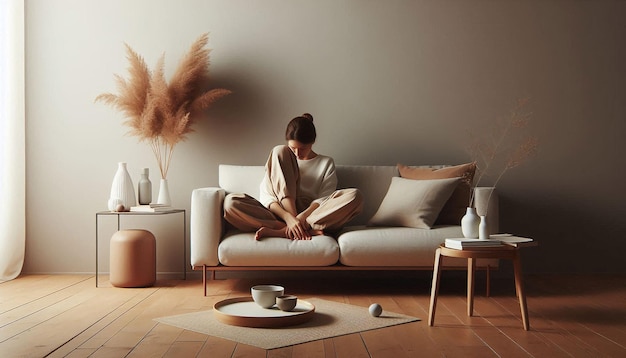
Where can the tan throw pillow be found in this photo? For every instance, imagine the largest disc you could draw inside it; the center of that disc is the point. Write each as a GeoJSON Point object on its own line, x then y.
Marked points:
{"type": "Point", "coordinates": [455, 207]}
{"type": "Point", "coordinates": [413, 203]}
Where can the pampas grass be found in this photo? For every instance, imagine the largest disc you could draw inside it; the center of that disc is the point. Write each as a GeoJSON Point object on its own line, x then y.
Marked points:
{"type": "Point", "coordinates": [504, 146]}
{"type": "Point", "coordinates": [159, 112]}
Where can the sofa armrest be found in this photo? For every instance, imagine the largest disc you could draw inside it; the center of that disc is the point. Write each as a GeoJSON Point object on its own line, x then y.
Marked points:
{"type": "Point", "coordinates": [486, 203]}
{"type": "Point", "coordinates": [206, 225]}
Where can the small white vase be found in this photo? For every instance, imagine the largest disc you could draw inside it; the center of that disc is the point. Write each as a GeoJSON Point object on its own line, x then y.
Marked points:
{"type": "Point", "coordinates": [122, 189]}
{"type": "Point", "coordinates": [483, 228]}
{"type": "Point", "coordinates": [164, 193]}
{"type": "Point", "coordinates": [469, 223]}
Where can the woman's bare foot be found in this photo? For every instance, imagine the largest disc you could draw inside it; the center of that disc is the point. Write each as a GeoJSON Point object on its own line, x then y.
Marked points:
{"type": "Point", "coordinates": [312, 233]}
{"type": "Point", "coordinates": [266, 232]}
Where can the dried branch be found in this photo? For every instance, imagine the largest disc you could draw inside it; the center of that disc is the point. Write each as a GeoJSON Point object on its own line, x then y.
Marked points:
{"type": "Point", "coordinates": [505, 146]}
{"type": "Point", "coordinates": [159, 112]}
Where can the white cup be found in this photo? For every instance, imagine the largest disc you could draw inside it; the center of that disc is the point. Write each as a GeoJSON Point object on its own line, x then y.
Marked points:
{"type": "Point", "coordinates": [265, 295]}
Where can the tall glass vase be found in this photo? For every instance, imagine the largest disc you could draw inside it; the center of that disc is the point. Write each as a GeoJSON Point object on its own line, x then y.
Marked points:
{"type": "Point", "coordinates": [122, 190]}
{"type": "Point", "coordinates": [469, 223]}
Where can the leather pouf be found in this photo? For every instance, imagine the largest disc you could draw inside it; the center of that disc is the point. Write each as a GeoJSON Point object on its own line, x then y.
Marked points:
{"type": "Point", "coordinates": [133, 258]}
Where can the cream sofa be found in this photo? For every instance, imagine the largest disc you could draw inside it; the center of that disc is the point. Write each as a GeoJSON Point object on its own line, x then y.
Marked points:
{"type": "Point", "coordinates": [216, 247]}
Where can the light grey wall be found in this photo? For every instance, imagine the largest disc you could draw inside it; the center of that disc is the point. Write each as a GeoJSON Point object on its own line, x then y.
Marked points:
{"type": "Point", "coordinates": [387, 81]}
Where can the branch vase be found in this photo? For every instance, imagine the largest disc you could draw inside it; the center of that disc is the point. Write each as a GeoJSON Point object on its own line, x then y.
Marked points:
{"type": "Point", "coordinates": [164, 193]}
{"type": "Point", "coordinates": [483, 228]}
{"type": "Point", "coordinates": [469, 223]}
{"type": "Point", "coordinates": [122, 190]}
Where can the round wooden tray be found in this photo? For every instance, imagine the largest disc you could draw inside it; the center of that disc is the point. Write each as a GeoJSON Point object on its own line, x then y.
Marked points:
{"type": "Point", "coordinates": [243, 311]}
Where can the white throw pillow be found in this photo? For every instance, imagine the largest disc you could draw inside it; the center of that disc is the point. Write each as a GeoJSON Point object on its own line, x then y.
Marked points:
{"type": "Point", "coordinates": [413, 203]}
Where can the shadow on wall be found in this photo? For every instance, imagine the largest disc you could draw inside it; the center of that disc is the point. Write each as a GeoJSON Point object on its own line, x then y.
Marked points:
{"type": "Point", "coordinates": [235, 129]}
{"type": "Point", "coordinates": [573, 237]}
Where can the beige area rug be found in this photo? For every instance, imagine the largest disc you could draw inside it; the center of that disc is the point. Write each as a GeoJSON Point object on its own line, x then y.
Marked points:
{"type": "Point", "coordinates": [331, 319]}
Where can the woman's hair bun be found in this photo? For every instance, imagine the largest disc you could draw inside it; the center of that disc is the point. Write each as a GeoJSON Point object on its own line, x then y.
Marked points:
{"type": "Point", "coordinates": [307, 116]}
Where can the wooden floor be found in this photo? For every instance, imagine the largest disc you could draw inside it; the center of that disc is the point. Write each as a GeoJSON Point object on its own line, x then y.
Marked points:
{"type": "Point", "coordinates": [66, 316]}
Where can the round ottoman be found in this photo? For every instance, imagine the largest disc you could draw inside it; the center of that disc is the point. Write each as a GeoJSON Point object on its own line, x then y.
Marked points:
{"type": "Point", "coordinates": [133, 258]}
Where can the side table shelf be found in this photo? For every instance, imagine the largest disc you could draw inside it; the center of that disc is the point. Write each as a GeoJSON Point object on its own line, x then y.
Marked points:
{"type": "Point", "coordinates": [119, 215]}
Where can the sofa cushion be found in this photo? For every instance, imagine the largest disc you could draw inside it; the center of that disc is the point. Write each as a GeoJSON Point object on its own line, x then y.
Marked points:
{"type": "Point", "coordinates": [373, 182]}
{"type": "Point", "coordinates": [455, 207]}
{"type": "Point", "coordinates": [413, 203]}
{"type": "Point", "coordinates": [392, 246]}
{"type": "Point", "coordinates": [398, 246]}
{"type": "Point", "coordinates": [241, 178]}
{"type": "Point", "coordinates": [241, 249]}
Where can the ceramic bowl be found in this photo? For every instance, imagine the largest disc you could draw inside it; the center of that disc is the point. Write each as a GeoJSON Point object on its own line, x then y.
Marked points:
{"type": "Point", "coordinates": [286, 303]}
{"type": "Point", "coordinates": [265, 295]}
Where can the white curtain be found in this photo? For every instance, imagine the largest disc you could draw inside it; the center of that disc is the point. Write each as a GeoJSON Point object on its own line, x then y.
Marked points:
{"type": "Point", "coordinates": [12, 140]}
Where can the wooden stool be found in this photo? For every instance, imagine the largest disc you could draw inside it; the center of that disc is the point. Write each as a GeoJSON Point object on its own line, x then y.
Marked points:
{"type": "Point", "coordinates": [504, 252]}
{"type": "Point", "coordinates": [133, 259]}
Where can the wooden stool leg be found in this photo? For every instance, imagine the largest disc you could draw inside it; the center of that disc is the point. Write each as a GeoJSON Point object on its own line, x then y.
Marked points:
{"type": "Point", "coordinates": [519, 287]}
{"type": "Point", "coordinates": [434, 291]}
{"type": "Point", "coordinates": [471, 270]}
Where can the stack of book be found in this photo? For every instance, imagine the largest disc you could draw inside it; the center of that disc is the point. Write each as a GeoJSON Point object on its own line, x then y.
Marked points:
{"type": "Point", "coordinates": [150, 208]}
{"type": "Point", "coordinates": [494, 240]}
{"type": "Point", "coordinates": [465, 243]}
{"type": "Point", "coordinates": [512, 240]}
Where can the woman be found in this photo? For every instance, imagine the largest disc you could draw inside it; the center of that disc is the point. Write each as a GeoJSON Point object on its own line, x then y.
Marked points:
{"type": "Point", "coordinates": [299, 197]}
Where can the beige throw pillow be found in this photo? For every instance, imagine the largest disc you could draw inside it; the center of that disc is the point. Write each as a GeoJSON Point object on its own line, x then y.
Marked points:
{"type": "Point", "coordinates": [413, 203]}
{"type": "Point", "coordinates": [455, 207]}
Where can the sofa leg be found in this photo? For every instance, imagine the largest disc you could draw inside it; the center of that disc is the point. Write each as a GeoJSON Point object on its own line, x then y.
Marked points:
{"type": "Point", "coordinates": [204, 278]}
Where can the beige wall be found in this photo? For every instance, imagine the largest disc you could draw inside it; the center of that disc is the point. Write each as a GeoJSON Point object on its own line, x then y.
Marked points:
{"type": "Point", "coordinates": [388, 81]}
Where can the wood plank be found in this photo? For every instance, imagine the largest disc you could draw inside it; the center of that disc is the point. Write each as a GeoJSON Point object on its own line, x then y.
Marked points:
{"type": "Point", "coordinates": [574, 336]}
{"type": "Point", "coordinates": [329, 348]}
{"type": "Point", "coordinates": [30, 289]}
{"type": "Point", "coordinates": [97, 334]}
{"type": "Point", "coordinates": [350, 345]}
{"type": "Point", "coordinates": [315, 349]}
{"type": "Point", "coordinates": [283, 352]}
{"type": "Point", "coordinates": [244, 350]}
{"type": "Point", "coordinates": [74, 314]}
{"type": "Point", "coordinates": [216, 347]}
{"type": "Point", "coordinates": [32, 312]}
{"type": "Point", "coordinates": [183, 349]}
{"type": "Point", "coordinates": [386, 343]}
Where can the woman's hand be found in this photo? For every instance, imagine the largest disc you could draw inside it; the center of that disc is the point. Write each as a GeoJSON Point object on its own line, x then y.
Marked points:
{"type": "Point", "coordinates": [297, 229]}
{"type": "Point", "coordinates": [297, 226]}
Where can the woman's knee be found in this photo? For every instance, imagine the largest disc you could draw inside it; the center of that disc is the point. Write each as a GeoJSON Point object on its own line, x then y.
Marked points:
{"type": "Point", "coordinates": [233, 201]}
{"type": "Point", "coordinates": [357, 197]}
{"type": "Point", "coordinates": [353, 193]}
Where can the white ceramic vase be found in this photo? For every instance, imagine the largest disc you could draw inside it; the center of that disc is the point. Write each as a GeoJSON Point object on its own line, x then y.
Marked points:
{"type": "Point", "coordinates": [164, 193]}
{"type": "Point", "coordinates": [469, 223]}
{"type": "Point", "coordinates": [122, 189]}
{"type": "Point", "coordinates": [483, 228]}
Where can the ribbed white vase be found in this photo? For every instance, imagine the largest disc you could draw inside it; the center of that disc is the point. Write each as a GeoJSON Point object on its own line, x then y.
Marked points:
{"type": "Point", "coordinates": [122, 189]}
